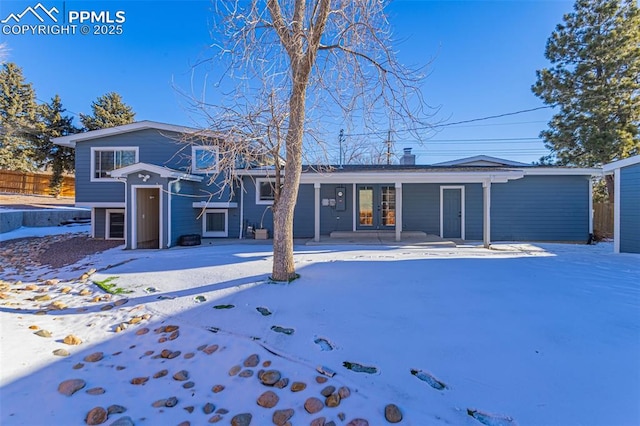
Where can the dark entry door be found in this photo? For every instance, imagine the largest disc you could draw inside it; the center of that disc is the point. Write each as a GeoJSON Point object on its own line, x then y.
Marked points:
{"type": "Point", "coordinates": [147, 218]}
{"type": "Point", "coordinates": [452, 213]}
{"type": "Point", "coordinates": [376, 207]}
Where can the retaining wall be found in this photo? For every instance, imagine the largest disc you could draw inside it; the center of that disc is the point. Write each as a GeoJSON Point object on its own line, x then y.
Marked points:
{"type": "Point", "coordinates": [14, 219]}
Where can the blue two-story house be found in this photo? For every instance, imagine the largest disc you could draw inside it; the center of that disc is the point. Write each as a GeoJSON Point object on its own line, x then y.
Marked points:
{"type": "Point", "coordinates": [146, 185]}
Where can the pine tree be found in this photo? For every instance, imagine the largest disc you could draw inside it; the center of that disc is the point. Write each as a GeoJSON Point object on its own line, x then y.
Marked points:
{"type": "Point", "coordinates": [108, 111]}
{"type": "Point", "coordinates": [595, 83]}
{"type": "Point", "coordinates": [18, 125]}
{"type": "Point", "coordinates": [60, 159]}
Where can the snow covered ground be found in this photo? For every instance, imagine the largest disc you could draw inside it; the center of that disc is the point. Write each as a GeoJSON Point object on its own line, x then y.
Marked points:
{"type": "Point", "coordinates": [529, 334]}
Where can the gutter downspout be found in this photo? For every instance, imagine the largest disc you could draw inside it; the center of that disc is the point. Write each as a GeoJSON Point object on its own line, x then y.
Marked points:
{"type": "Point", "coordinates": [169, 210]}
{"type": "Point", "coordinates": [127, 211]}
{"type": "Point", "coordinates": [241, 209]}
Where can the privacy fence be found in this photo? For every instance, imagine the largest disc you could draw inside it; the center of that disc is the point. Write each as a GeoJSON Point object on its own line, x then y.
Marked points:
{"type": "Point", "coordinates": [33, 183]}
{"type": "Point", "coordinates": [603, 220]}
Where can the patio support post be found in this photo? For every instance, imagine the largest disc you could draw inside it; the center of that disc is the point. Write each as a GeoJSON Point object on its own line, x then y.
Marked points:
{"type": "Point", "coordinates": [486, 217]}
{"type": "Point", "coordinates": [616, 210]}
{"type": "Point", "coordinates": [398, 211]}
{"type": "Point", "coordinates": [316, 212]}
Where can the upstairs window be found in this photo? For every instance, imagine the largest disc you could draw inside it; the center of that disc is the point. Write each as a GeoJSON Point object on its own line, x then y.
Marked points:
{"type": "Point", "coordinates": [204, 159]}
{"type": "Point", "coordinates": [106, 160]}
{"type": "Point", "coordinates": [265, 191]}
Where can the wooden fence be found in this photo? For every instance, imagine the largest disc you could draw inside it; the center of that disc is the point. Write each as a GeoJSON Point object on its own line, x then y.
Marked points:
{"type": "Point", "coordinates": [33, 183]}
{"type": "Point", "coordinates": [603, 220]}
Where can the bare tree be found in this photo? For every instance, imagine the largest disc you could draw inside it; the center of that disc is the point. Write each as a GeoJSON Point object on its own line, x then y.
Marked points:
{"type": "Point", "coordinates": [288, 63]}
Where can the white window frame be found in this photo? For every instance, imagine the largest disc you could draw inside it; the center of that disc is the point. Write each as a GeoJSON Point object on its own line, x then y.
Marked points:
{"type": "Point", "coordinates": [107, 229]}
{"type": "Point", "coordinates": [260, 201]}
{"type": "Point", "coordinates": [224, 233]}
{"type": "Point", "coordinates": [194, 149]}
{"type": "Point", "coordinates": [95, 149]}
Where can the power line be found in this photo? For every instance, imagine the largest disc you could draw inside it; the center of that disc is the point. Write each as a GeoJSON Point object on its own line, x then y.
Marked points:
{"type": "Point", "coordinates": [496, 140]}
{"type": "Point", "coordinates": [472, 120]}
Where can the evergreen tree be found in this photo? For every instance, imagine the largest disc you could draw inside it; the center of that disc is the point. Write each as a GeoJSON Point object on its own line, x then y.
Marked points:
{"type": "Point", "coordinates": [108, 111]}
{"type": "Point", "coordinates": [60, 159]}
{"type": "Point", "coordinates": [18, 125]}
{"type": "Point", "coordinates": [595, 83]}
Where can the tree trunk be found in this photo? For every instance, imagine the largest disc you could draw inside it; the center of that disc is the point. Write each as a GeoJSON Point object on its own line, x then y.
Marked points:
{"type": "Point", "coordinates": [610, 187]}
{"type": "Point", "coordinates": [283, 264]}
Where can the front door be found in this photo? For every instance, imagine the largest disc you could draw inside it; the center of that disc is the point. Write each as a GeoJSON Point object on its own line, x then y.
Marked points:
{"type": "Point", "coordinates": [147, 218]}
{"type": "Point", "coordinates": [451, 213]}
{"type": "Point", "coordinates": [376, 207]}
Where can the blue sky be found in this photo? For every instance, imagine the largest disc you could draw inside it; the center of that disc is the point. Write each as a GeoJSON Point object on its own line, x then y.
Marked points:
{"type": "Point", "coordinates": [483, 56]}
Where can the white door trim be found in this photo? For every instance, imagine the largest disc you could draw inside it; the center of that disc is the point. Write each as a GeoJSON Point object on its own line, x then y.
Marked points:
{"type": "Point", "coordinates": [462, 208]}
{"type": "Point", "coordinates": [134, 213]}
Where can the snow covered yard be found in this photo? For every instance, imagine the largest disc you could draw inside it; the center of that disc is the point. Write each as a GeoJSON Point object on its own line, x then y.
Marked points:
{"type": "Point", "coordinates": [545, 334]}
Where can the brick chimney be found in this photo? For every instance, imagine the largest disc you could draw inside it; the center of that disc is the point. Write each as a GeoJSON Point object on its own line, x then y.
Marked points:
{"type": "Point", "coordinates": [408, 159]}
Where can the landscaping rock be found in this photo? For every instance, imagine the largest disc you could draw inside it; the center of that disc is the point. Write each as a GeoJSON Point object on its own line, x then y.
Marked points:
{"type": "Point", "coordinates": [243, 419]}
{"type": "Point", "coordinates": [69, 387]}
{"type": "Point", "coordinates": [96, 416]}
{"type": "Point", "coordinates": [392, 413]}
{"type": "Point", "coordinates": [332, 400]}
{"type": "Point", "coordinates": [344, 392]}
{"type": "Point", "coordinates": [115, 409]}
{"type": "Point", "coordinates": [72, 340]}
{"type": "Point", "coordinates": [252, 361]}
{"type": "Point", "coordinates": [139, 380]}
{"type": "Point", "coordinates": [208, 408]}
{"type": "Point", "coordinates": [298, 386]}
{"type": "Point", "coordinates": [281, 417]}
{"type": "Point", "coordinates": [235, 370]}
{"type": "Point", "coordinates": [94, 357]}
{"type": "Point", "coordinates": [43, 333]}
{"type": "Point", "coordinates": [270, 377]}
{"type": "Point", "coordinates": [246, 373]}
{"type": "Point", "coordinates": [268, 399]}
{"type": "Point", "coordinates": [358, 422]}
{"type": "Point", "coordinates": [313, 405]}
{"type": "Point", "coordinates": [181, 375]}
{"type": "Point", "coordinates": [123, 421]}
{"type": "Point", "coordinates": [160, 373]}
{"type": "Point", "coordinates": [210, 349]}
{"type": "Point", "coordinates": [282, 383]}
{"type": "Point", "coordinates": [61, 352]}
{"type": "Point", "coordinates": [95, 391]}
{"type": "Point", "coordinates": [327, 391]}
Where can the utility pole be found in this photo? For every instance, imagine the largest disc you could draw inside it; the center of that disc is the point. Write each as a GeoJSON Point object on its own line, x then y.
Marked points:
{"type": "Point", "coordinates": [389, 148]}
{"type": "Point", "coordinates": [340, 140]}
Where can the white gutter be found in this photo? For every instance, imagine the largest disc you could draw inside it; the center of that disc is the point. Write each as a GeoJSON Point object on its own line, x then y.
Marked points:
{"type": "Point", "coordinates": [241, 209]}
{"type": "Point", "coordinates": [126, 212]}
{"type": "Point", "coordinates": [412, 177]}
{"type": "Point", "coordinates": [169, 210]}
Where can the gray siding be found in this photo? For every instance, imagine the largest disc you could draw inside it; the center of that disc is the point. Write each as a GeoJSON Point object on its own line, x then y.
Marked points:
{"type": "Point", "coordinates": [473, 211]}
{"type": "Point", "coordinates": [99, 226]}
{"type": "Point", "coordinates": [421, 207]}
{"type": "Point", "coordinates": [303, 215]}
{"type": "Point", "coordinates": [630, 209]}
{"type": "Point", "coordinates": [184, 218]}
{"type": "Point", "coordinates": [541, 208]}
{"type": "Point", "coordinates": [331, 219]}
{"type": "Point", "coordinates": [155, 147]}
